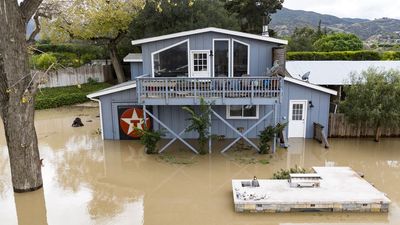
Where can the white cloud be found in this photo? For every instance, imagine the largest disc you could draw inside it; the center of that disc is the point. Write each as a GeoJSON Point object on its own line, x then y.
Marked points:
{"type": "Point", "coordinates": [369, 9]}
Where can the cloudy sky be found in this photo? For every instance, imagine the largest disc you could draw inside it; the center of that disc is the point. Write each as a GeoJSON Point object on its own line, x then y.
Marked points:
{"type": "Point", "coordinates": [369, 9]}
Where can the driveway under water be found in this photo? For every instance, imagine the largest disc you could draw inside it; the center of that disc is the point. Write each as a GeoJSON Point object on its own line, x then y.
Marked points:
{"type": "Point", "coordinates": [90, 181]}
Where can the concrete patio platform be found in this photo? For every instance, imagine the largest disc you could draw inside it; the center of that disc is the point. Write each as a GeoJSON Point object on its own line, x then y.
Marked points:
{"type": "Point", "coordinates": [341, 190]}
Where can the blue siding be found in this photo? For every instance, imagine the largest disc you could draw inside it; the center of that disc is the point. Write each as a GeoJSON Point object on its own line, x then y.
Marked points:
{"type": "Point", "coordinates": [109, 104]}
{"type": "Point", "coordinates": [176, 118]}
{"type": "Point", "coordinates": [260, 51]}
{"type": "Point", "coordinates": [136, 69]}
{"type": "Point", "coordinates": [318, 114]}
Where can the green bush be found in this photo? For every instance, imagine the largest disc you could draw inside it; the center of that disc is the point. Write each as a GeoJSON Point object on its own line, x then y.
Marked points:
{"type": "Point", "coordinates": [67, 59]}
{"type": "Point", "coordinates": [285, 174]}
{"type": "Point", "coordinates": [345, 55]}
{"type": "Point", "coordinates": [78, 49]}
{"type": "Point", "coordinates": [61, 96]}
{"type": "Point", "coordinates": [44, 61]}
{"type": "Point", "coordinates": [391, 55]}
{"type": "Point", "coordinates": [71, 55]}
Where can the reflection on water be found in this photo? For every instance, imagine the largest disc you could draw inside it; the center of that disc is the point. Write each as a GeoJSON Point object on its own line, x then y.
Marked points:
{"type": "Point", "coordinates": [90, 181]}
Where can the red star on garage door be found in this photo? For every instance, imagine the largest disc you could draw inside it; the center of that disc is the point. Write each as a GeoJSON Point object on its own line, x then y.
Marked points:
{"type": "Point", "coordinates": [133, 118]}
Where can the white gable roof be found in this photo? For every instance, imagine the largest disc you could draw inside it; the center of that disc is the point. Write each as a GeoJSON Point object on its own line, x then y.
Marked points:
{"type": "Point", "coordinates": [116, 88]}
{"type": "Point", "coordinates": [334, 72]}
{"type": "Point", "coordinates": [309, 85]}
{"type": "Point", "coordinates": [133, 57]}
{"type": "Point", "coordinates": [210, 29]}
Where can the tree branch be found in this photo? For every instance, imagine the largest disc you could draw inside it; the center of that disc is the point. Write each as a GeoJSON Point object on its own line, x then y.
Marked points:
{"type": "Point", "coordinates": [31, 39]}
{"type": "Point", "coordinates": [29, 7]}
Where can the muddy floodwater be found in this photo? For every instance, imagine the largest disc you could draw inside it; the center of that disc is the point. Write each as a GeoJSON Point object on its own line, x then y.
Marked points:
{"type": "Point", "coordinates": [90, 181]}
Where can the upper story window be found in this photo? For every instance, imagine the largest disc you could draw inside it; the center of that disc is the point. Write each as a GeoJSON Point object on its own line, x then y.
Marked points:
{"type": "Point", "coordinates": [241, 58]}
{"type": "Point", "coordinates": [171, 61]}
{"type": "Point", "coordinates": [221, 58]}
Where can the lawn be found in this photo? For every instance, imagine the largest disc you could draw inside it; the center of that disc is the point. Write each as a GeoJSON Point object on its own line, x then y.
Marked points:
{"type": "Point", "coordinates": [61, 96]}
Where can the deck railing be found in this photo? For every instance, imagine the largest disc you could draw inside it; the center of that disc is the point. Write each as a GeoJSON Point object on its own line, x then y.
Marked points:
{"type": "Point", "coordinates": [219, 88]}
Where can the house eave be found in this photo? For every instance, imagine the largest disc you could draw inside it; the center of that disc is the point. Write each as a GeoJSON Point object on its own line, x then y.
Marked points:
{"type": "Point", "coordinates": [210, 29]}
{"type": "Point", "coordinates": [111, 90]}
{"type": "Point", "coordinates": [312, 86]}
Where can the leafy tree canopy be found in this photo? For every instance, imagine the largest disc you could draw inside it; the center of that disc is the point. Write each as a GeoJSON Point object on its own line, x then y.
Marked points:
{"type": "Point", "coordinates": [303, 39]}
{"type": "Point", "coordinates": [160, 17]}
{"type": "Point", "coordinates": [100, 21]}
{"type": "Point", "coordinates": [373, 97]}
{"type": "Point", "coordinates": [338, 42]}
{"type": "Point", "coordinates": [253, 13]}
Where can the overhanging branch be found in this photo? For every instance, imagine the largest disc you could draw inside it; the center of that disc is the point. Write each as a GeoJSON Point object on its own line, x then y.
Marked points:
{"type": "Point", "coordinates": [29, 7]}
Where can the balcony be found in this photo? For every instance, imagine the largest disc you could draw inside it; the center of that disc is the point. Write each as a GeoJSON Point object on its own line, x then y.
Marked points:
{"type": "Point", "coordinates": [219, 90]}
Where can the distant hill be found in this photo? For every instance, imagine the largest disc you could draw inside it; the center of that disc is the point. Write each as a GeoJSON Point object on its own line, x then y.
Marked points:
{"type": "Point", "coordinates": [286, 20]}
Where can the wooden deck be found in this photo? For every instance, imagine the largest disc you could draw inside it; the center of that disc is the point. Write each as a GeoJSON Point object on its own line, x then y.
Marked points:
{"type": "Point", "coordinates": [220, 91]}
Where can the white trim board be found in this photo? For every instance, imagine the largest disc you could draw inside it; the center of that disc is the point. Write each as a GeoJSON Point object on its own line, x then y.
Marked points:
{"type": "Point", "coordinates": [233, 56]}
{"type": "Point", "coordinates": [168, 47]}
{"type": "Point", "coordinates": [229, 117]}
{"type": "Point", "coordinates": [210, 29]}
{"type": "Point", "coordinates": [229, 55]}
{"type": "Point", "coordinates": [312, 86]}
{"type": "Point", "coordinates": [114, 89]}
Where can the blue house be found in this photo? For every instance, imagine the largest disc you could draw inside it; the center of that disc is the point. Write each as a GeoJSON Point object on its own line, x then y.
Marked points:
{"type": "Point", "coordinates": [243, 76]}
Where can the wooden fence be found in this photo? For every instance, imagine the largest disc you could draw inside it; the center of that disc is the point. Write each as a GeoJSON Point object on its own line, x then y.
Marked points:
{"type": "Point", "coordinates": [340, 127]}
{"type": "Point", "coordinates": [75, 76]}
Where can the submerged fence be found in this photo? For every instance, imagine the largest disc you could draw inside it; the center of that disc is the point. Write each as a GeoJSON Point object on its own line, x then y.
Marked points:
{"type": "Point", "coordinates": [74, 76]}
{"type": "Point", "coordinates": [340, 127]}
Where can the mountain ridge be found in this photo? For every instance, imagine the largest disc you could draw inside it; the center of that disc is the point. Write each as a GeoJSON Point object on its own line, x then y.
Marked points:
{"type": "Point", "coordinates": [286, 20]}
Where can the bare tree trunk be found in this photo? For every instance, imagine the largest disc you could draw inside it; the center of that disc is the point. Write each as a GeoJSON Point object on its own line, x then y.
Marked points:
{"type": "Point", "coordinates": [17, 92]}
{"type": "Point", "coordinates": [378, 133]}
{"type": "Point", "coordinates": [115, 62]}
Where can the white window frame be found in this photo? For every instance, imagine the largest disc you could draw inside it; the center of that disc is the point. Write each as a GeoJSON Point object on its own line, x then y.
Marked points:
{"type": "Point", "coordinates": [228, 114]}
{"type": "Point", "coordinates": [168, 47]}
{"type": "Point", "coordinates": [208, 62]}
{"type": "Point", "coordinates": [233, 59]}
{"type": "Point", "coordinates": [229, 55]}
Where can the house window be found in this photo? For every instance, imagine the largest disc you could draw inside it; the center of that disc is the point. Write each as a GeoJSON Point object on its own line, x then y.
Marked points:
{"type": "Point", "coordinates": [172, 61]}
{"type": "Point", "coordinates": [242, 112]}
{"type": "Point", "coordinates": [240, 59]}
{"type": "Point", "coordinates": [221, 58]}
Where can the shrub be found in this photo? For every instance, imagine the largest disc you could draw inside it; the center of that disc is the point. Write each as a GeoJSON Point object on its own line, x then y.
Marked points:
{"type": "Point", "coordinates": [267, 135]}
{"type": "Point", "coordinates": [283, 174]}
{"type": "Point", "coordinates": [391, 55]}
{"type": "Point", "coordinates": [344, 55]}
{"type": "Point", "coordinates": [150, 139]}
{"type": "Point", "coordinates": [61, 96]}
{"type": "Point", "coordinates": [43, 61]}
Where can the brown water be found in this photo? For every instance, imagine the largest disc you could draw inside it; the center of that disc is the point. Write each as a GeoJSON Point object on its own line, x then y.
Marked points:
{"type": "Point", "coordinates": [90, 181]}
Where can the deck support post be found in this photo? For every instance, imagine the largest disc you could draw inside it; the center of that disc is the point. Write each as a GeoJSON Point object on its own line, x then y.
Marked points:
{"type": "Point", "coordinates": [171, 131]}
{"type": "Point", "coordinates": [275, 122]}
{"type": "Point", "coordinates": [209, 131]}
{"type": "Point", "coordinates": [241, 135]}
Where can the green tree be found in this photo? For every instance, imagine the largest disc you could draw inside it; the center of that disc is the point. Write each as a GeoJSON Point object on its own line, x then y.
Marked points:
{"type": "Point", "coordinates": [338, 42]}
{"type": "Point", "coordinates": [373, 97]}
{"type": "Point", "coordinates": [102, 22]}
{"type": "Point", "coordinates": [253, 13]}
{"type": "Point", "coordinates": [160, 17]}
{"type": "Point", "coordinates": [303, 39]}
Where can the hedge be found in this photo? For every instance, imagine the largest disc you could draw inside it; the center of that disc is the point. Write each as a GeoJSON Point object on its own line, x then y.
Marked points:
{"type": "Point", "coordinates": [62, 96]}
{"type": "Point", "coordinates": [345, 55]}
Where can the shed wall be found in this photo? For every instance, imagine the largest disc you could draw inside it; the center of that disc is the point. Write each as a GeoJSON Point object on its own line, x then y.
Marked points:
{"type": "Point", "coordinates": [319, 113]}
{"type": "Point", "coordinates": [136, 69]}
{"type": "Point", "coordinates": [109, 104]}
